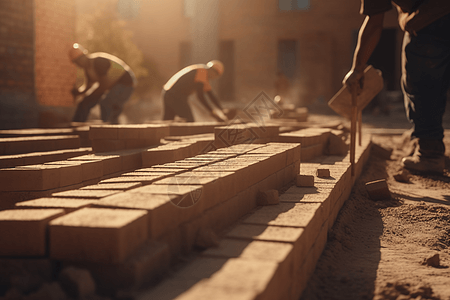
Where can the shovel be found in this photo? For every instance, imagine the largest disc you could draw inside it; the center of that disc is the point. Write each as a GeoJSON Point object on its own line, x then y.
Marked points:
{"type": "Point", "coordinates": [350, 105]}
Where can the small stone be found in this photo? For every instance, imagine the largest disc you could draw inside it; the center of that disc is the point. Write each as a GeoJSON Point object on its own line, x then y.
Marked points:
{"type": "Point", "coordinates": [77, 282]}
{"type": "Point", "coordinates": [269, 197]}
{"type": "Point", "coordinates": [402, 176]}
{"type": "Point", "coordinates": [323, 173]}
{"type": "Point", "coordinates": [304, 180]}
{"type": "Point", "coordinates": [432, 261]}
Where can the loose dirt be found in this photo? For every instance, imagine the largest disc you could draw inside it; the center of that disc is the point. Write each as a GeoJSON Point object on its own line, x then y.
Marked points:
{"type": "Point", "coordinates": [391, 249]}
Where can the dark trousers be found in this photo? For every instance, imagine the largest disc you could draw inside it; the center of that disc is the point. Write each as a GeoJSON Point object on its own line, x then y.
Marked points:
{"type": "Point", "coordinates": [176, 105]}
{"type": "Point", "coordinates": [426, 78]}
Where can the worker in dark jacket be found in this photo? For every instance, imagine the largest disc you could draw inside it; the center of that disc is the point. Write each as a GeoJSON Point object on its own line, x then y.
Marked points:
{"type": "Point", "coordinates": [194, 78]}
{"type": "Point", "coordinates": [425, 70]}
{"type": "Point", "coordinates": [108, 81]}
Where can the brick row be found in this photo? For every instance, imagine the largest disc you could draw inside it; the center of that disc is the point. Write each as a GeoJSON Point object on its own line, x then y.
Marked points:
{"type": "Point", "coordinates": [106, 138]}
{"type": "Point", "coordinates": [276, 247]}
{"type": "Point", "coordinates": [19, 145]}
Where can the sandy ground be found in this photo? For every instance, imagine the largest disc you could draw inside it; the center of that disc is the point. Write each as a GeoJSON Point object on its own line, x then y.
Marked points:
{"type": "Point", "coordinates": [378, 249]}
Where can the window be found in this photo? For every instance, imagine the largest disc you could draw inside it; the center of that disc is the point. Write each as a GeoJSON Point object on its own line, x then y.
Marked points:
{"type": "Point", "coordinates": [287, 5]}
{"type": "Point", "coordinates": [287, 58]}
{"type": "Point", "coordinates": [128, 9]}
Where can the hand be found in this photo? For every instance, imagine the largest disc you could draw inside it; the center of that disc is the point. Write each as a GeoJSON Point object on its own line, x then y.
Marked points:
{"type": "Point", "coordinates": [74, 91]}
{"type": "Point", "coordinates": [221, 117]}
{"type": "Point", "coordinates": [355, 81]}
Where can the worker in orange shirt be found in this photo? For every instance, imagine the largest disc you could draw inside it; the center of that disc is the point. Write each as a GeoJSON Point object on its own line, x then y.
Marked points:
{"type": "Point", "coordinates": [193, 78]}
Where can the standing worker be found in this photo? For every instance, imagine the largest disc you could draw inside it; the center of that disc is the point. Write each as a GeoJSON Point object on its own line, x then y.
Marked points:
{"type": "Point", "coordinates": [194, 78]}
{"type": "Point", "coordinates": [108, 80]}
{"type": "Point", "coordinates": [425, 70]}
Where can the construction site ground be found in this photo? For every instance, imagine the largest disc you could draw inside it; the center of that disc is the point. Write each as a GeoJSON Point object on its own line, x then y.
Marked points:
{"type": "Point", "coordinates": [379, 249]}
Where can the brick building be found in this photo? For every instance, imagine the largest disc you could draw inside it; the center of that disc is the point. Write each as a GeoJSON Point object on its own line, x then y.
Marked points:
{"type": "Point", "coordinates": [310, 41]}
{"type": "Point", "coordinates": [35, 74]}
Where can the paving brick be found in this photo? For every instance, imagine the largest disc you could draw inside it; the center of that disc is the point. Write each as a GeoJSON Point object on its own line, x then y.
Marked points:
{"type": "Point", "coordinates": [24, 231]}
{"type": "Point", "coordinates": [162, 215]}
{"type": "Point", "coordinates": [30, 178]}
{"type": "Point", "coordinates": [85, 194]}
{"type": "Point", "coordinates": [97, 235]}
{"type": "Point", "coordinates": [323, 173]}
{"type": "Point", "coordinates": [68, 204]}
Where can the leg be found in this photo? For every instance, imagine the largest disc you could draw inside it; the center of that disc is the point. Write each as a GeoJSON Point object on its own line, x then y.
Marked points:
{"type": "Point", "coordinates": [84, 107]}
{"type": "Point", "coordinates": [425, 81]}
{"type": "Point", "coordinates": [177, 105]}
{"type": "Point", "coordinates": [112, 105]}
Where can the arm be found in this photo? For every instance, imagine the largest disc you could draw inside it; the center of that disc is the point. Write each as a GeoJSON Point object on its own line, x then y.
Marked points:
{"type": "Point", "coordinates": [424, 15]}
{"type": "Point", "coordinates": [369, 35]}
{"type": "Point", "coordinates": [214, 99]}
{"type": "Point", "coordinates": [201, 97]}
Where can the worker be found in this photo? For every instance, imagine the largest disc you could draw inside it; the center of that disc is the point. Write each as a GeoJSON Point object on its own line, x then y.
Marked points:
{"type": "Point", "coordinates": [425, 70]}
{"type": "Point", "coordinates": [108, 81]}
{"type": "Point", "coordinates": [193, 78]}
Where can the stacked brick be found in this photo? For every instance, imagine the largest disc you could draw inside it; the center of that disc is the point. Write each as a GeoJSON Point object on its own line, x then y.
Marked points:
{"type": "Point", "coordinates": [272, 252]}
{"type": "Point", "coordinates": [191, 128]}
{"type": "Point", "coordinates": [18, 145]}
{"type": "Point", "coordinates": [235, 134]}
{"type": "Point", "coordinates": [313, 140]}
{"type": "Point", "coordinates": [106, 138]}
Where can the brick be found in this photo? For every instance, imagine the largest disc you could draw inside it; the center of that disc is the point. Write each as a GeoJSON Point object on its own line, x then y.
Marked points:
{"type": "Point", "coordinates": [323, 173]}
{"type": "Point", "coordinates": [97, 235]}
{"type": "Point", "coordinates": [141, 268]}
{"type": "Point", "coordinates": [109, 132]}
{"type": "Point", "coordinates": [131, 159]}
{"type": "Point", "coordinates": [91, 169]}
{"type": "Point", "coordinates": [143, 180]}
{"type": "Point", "coordinates": [104, 145]}
{"type": "Point", "coordinates": [68, 204]}
{"type": "Point", "coordinates": [125, 186]}
{"type": "Point", "coordinates": [70, 173]}
{"type": "Point", "coordinates": [378, 190]}
{"type": "Point", "coordinates": [24, 231]}
{"type": "Point", "coordinates": [304, 180]}
{"type": "Point", "coordinates": [189, 195]}
{"type": "Point", "coordinates": [162, 214]}
{"type": "Point", "coordinates": [265, 233]}
{"type": "Point", "coordinates": [30, 178]}
{"type": "Point", "coordinates": [85, 194]}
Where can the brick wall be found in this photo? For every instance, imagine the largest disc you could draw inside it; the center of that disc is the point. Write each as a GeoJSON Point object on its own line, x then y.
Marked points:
{"type": "Point", "coordinates": [55, 33]}
{"type": "Point", "coordinates": [17, 98]}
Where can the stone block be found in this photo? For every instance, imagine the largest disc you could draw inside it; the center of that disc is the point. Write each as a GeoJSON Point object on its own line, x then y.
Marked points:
{"type": "Point", "coordinates": [24, 231]}
{"type": "Point", "coordinates": [121, 186]}
{"type": "Point", "coordinates": [70, 173]}
{"type": "Point", "coordinates": [97, 235]}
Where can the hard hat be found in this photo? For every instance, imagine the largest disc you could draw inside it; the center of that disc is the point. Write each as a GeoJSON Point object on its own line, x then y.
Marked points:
{"type": "Point", "coordinates": [76, 51]}
{"type": "Point", "coordinates": [217, 65]}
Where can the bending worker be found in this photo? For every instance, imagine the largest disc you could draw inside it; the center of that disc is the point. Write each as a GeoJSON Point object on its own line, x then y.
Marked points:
{"type": "Point", "coordinates": [194, 78]}
{"type": "Point", "coordinates": [108, 80]}
{"type": "Point", "coordinates": [425, 70]}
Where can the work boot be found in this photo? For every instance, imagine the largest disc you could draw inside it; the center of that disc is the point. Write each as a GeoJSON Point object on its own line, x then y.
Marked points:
{"type": "Point", "coordinates": [428, 157]}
